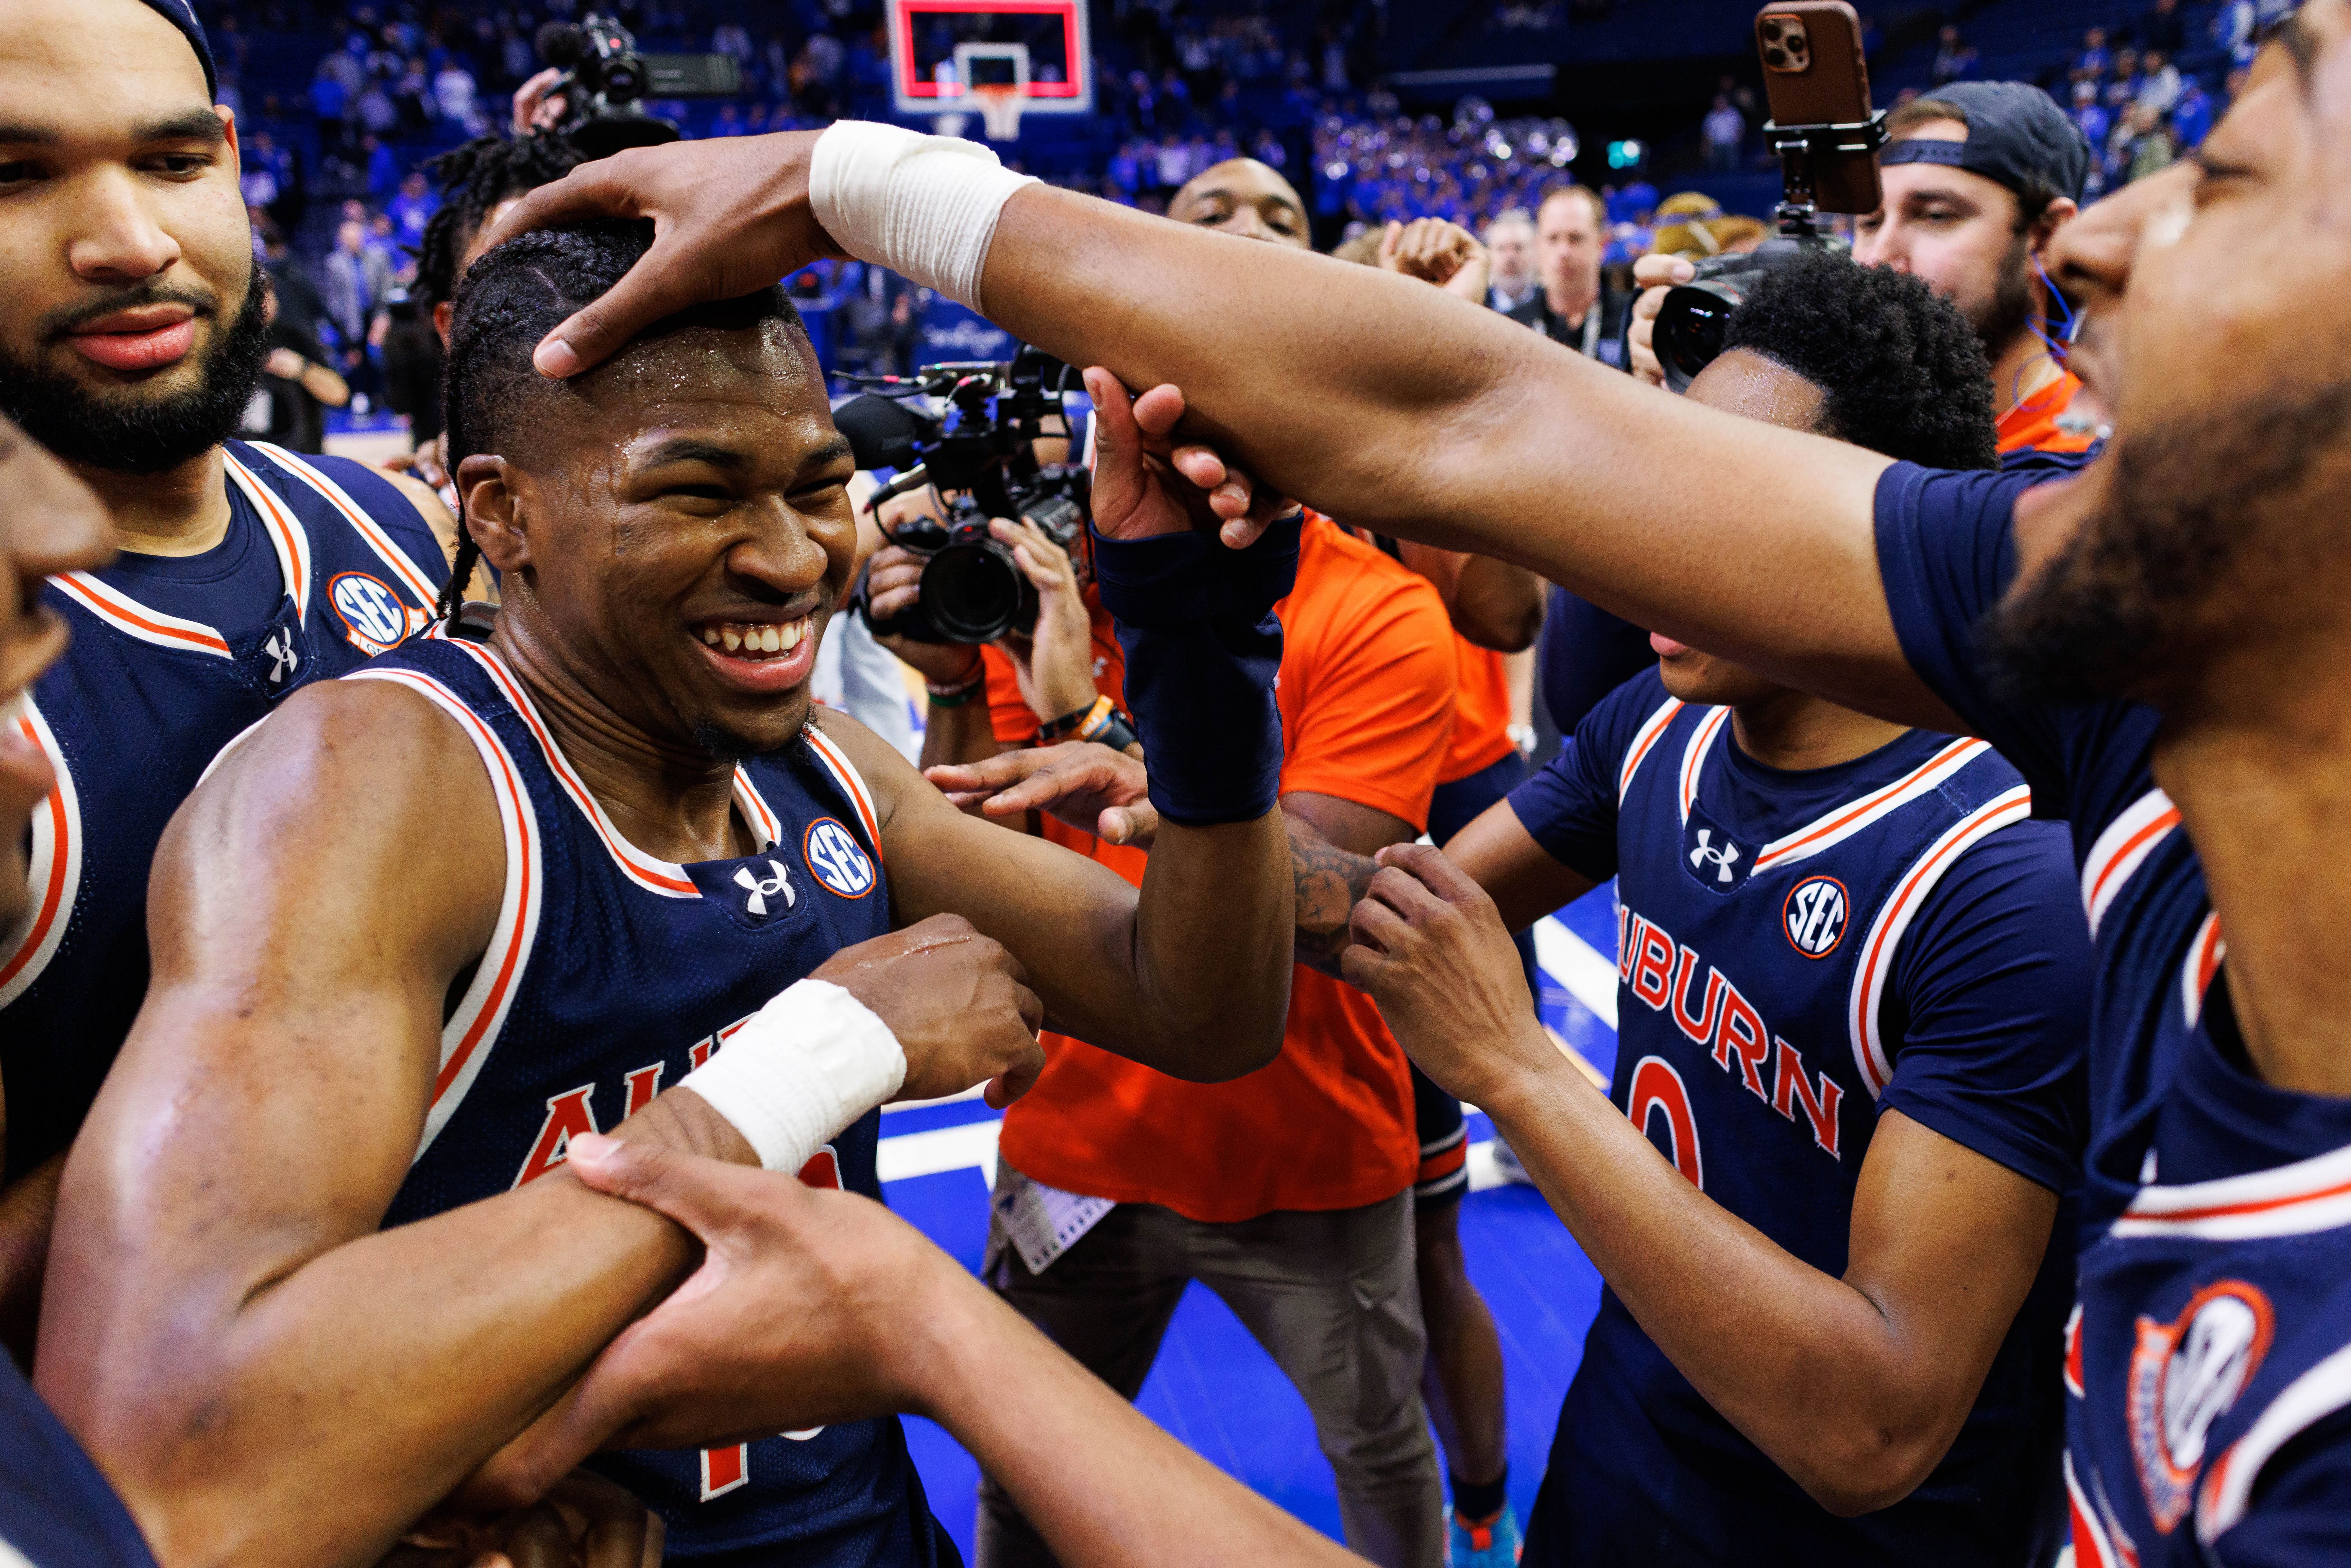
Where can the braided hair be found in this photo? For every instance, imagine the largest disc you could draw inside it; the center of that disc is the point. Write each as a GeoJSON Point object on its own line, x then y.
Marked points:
{"type": "Point", "coordinates": [473, 179]}
{"type": "Point", "coordinates": [513, 296]}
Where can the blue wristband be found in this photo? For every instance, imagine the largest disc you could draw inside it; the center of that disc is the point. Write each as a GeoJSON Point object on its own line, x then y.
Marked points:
{"type": "Point", "coordinates": [1202, 646]}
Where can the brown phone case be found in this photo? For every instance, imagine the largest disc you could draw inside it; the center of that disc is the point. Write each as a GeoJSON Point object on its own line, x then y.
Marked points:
{"type": "Point", "coordinates": [1814, 74]}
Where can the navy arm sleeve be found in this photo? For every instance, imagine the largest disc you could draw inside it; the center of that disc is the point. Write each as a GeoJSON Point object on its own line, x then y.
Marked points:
{"type": "Point", "coordinates": [1990, 998]}
{"type": "Point", "coordinates": [2301, 1512]}
{"type": "Point", "coordinates": [1569, 806]}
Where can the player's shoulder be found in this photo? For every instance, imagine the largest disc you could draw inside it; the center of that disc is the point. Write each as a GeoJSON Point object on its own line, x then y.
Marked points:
{"type": "Point", "coordinates": [1642, 705]}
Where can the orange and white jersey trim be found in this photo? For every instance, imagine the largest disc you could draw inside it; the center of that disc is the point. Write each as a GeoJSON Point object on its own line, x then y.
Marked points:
{"type": "Point", "coordinates": [472, 1031]}
{"type": "Point", "coordinates": [133, 619]}
{"type": "Point", "coordinates": [2094, 1547]}
{"type": "Point", "coordinates": [286, 535]}
{"type": "Point", "coordinates": [2296, 1200]}
{"type": "Point", "coordinates": [2228, 1486]}
{"type": "Point", "coordinates": [2203, 961]}
{"type": "Point", "coordinates": [1694, 756]}
{"type": "Point", "coordinates": [54, 873]}
{"type": "Point", "coordinates": [1893, 916]}
{"type": "Point", "coordinates": [852, 783]}
{"type": "Point", "coordinates": [2122, 849]}
{"type": "Point", "coordinates": [1644, 740]}
{"type": "Point", "coordinates": [1834, 827]}
{"type": "Point", "coordinates": [651, 873]}
{"type": "Point", "coordinates": [394, 558]}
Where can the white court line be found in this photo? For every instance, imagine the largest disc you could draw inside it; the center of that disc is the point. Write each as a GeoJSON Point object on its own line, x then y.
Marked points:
{"type": "Point", "coordinates": [940, 1149]}
{"type": "Point", "coordinates": [1580, 968]}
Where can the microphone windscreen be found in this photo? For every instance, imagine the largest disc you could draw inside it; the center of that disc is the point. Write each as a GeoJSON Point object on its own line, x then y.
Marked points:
{"type": "Point", "coordinates": [881, 431]}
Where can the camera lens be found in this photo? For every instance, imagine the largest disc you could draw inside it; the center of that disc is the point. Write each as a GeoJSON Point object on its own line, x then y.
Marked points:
{"type": "Point", "coordinates": [1689, 327]}
{"type": "Point", "coordinates": [973, 591]}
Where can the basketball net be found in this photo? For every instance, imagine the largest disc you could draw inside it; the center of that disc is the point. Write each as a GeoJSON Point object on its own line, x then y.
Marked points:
{"type": "Point", "coordinates": [999, 108]}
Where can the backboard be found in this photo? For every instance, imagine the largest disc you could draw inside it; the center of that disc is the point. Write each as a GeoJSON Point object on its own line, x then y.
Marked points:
{"type": "Point", "coordinates": [941, 48]}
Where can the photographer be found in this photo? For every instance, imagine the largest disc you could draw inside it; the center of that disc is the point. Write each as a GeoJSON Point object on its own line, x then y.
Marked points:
{"type": "Point", "coordinates": [1573, 304]}
{"type": "Point", "coordinates": [1288, 1192]}
{"type": "Point", "coordinates": [1977, 180]}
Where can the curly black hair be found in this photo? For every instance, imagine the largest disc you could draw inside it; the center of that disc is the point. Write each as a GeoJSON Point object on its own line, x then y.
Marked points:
{"type": "Point", "coordinates": [473, 179]}
{"type": "Point", "coordinates": [1900, 370]}
{"type": "Point", "coordinates": [516, 294]}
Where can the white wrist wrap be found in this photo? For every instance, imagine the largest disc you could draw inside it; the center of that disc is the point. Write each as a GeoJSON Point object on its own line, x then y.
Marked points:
{"type": "Point", "coordinates": [804, 1067]}
{"type": "Point", "coordinates": [923, 206]}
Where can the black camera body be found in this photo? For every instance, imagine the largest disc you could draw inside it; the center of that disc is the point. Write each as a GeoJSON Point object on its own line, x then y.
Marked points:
{"type": "Point", "coordinates": [981, 453]}
{"type": "Point", "coordinates": [606, 79]}
{"type": "Point", "coordinates": [1690, 321]}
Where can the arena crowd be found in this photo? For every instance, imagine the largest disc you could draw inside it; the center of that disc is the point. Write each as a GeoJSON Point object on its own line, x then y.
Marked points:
{"type": "Point", "coordinates": [466, 915]}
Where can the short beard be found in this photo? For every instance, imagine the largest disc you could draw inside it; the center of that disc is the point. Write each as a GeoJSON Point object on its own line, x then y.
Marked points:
{"type": "Point", "coordinates": [120, 431]}
{"type": "Point", "coordinates": [2007, 315]}
{"type": "Point", "coordinates": [2204, 518]}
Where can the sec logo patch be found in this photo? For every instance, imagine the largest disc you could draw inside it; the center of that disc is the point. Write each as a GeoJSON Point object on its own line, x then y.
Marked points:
{"type": "Point", "coordinates": [2184, 1376]}
{"type": "Point", "coordinates": [836, 859]}
{"type": "Point", "coordinates": [1815, 915]}
{"type": "Point", "coordinates": [370, 610]}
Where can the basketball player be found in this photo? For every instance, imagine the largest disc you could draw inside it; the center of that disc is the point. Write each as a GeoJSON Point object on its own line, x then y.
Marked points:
{"type": "Point", "coordinates": [1933, 1151]}
{"type": "Point", "coordinates": [131, 317]}
{"type": "Point", "coordinates": [2163, 621]}
{"type": "Point", "coordinates": [590, 849]}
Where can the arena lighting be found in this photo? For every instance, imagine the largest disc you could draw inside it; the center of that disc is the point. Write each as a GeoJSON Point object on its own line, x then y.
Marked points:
{"type": "Point", "coordinates": [1627, 154]}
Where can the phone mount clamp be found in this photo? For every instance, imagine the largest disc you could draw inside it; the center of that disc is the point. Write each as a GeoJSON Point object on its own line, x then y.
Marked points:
{"type": "Point", "coordinates": [1798, 146]}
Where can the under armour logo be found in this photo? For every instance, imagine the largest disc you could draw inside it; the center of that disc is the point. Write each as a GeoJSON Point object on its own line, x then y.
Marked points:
{"type": "Point", "coordinates": [284, 660]}
{"type": "Point", "coordinates": [1706, 852]}
{"type": "Point", "coordinates": [765, 888]}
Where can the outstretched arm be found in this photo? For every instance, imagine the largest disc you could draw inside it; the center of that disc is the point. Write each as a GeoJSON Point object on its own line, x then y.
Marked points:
{"type": "Point", "coordinates": [816, 1307]}
{"type": "Point", "coordinates": [1446, 424]}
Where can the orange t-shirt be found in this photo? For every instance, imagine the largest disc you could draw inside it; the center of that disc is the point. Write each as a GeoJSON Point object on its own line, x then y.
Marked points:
{"type": "Point", "coordinates": [1366, 699]}
{"type": "Point", "coordinates": [1482, 711]}
{"type": "Point", "coordinates": [2032, 425]}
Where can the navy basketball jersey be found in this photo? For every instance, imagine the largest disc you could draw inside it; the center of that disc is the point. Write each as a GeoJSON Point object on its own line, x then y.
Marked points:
{"type": "Point", "coordinates": [1801, 953]}
{"type": "Point", "coordinates": [55, 1508]}
{"type": "Point", "coordinates": [325, 564]}
{"type": "Point", "coordinates": [2209, 1359]}
{"type": "Point", "coordinates": [609, 976]}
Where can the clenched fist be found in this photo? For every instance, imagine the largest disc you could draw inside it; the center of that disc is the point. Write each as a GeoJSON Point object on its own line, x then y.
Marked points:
{"type": "Point", "coordinates": [959, 1003]}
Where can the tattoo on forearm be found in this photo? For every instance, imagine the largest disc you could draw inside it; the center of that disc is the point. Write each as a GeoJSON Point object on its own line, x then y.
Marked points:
{"type": "Point", "coordinates": [1330, 880]}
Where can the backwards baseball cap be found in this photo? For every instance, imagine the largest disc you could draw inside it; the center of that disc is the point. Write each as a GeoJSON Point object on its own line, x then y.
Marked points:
{"type": "Point", "coordinates": [2016, 135]}
{"type": "Point", "coordinates": [182, 14]}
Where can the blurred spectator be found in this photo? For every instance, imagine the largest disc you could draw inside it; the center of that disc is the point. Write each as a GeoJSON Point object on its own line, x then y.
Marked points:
{"type": "Point", "coordinates": [453, 95]}
{"type": "Point", "coordinates": [2191, 116]}
{"type": "Point", "coordinates": [2090, 114]}
{"type": "Point", "coordinates": [1571, 306]}
{"type": "Point", "coordinates": [1723, 131]}
{"type": "Point", "coordinates": [1954, 58]}
{"type": "Point", "coordinates": [2094, 59]}
{"type": "Point", "coordinates": [2152, 149]}
{"type": "Point", "coordinates": [412, 209]}
{"type": "Point", "coordinates": [297, 385]}
{"type": "Point", "coordinates": [1509, 242]}
{"type": "Point", "coordinates": [356, 276]}
{"type": "Point", "coordinates": [2158, 84]}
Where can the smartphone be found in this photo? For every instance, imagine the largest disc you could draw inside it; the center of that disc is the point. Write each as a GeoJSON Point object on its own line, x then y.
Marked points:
{"type": "Point", "coordinates": [1814, 74]}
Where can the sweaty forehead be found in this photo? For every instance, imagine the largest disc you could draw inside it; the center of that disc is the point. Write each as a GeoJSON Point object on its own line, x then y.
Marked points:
{"type": "Point", "coordinates": [81, 67]}
{"type": "Point", "coordinates": [1240, 181]}
{"type": "Point", "coordinates": [751, 387]}
{"type": "Point", "coordinates": [1744, 383]}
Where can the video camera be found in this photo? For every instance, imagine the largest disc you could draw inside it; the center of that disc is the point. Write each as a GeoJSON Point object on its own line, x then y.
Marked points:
{"type": "Point", "coordinates": [605, 81]}
{"type": "Point", "coordinates": [979, 448]}
{"type": "Point", "coordinates": [1827, 141]}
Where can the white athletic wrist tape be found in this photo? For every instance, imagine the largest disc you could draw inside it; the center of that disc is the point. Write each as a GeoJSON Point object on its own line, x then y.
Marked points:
{"type": "Point", "coordinates": [804, 1067]}
{"type": "Point", "coordinates": [923, 206]}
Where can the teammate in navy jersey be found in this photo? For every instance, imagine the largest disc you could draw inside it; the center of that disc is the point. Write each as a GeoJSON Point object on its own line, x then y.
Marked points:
{"type": "Point", "coordinates": [1851, 1015]}
{"type": "Point", "coordinates": [132, 315]}
{"type": "Point", "coordinates": [589, 848]}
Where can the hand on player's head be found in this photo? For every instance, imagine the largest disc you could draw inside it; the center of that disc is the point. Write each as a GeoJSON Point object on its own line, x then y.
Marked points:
{"type": "Point", "coordinates": [1080, 782]}
{"type": "Point", "coordinates": [958, 1001]}
{"type": "Point", "coordinates": [729, 218]}
{"type": "Point", "coordinates": [1431, 949]}
{"type": "Point", "coordinates": [809, 1307]}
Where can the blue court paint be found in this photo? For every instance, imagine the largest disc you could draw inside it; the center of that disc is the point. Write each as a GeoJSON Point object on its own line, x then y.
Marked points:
{"type": "Point", "coordinates": [1217, 1392]}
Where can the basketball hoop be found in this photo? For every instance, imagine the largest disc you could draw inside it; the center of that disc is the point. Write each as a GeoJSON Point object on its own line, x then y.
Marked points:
{"type": "Point", "coordinates": [999, 108]}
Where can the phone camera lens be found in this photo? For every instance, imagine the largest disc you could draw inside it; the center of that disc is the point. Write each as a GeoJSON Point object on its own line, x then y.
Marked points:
{"type": "Point", "coordinates": [1771, 29]}
{"type": "Point", "coordinates": [1775, 56]}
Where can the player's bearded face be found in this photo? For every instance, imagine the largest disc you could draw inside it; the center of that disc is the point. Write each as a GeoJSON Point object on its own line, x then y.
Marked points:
{"type": "Point", "coordinates": [2222, 306]}
{"type": "Point", "coordinates": [140, 425]}
{"type": "Point", "coordinates": [700, 534]}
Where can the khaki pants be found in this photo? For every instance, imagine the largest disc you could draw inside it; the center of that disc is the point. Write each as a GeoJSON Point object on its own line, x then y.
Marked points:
{"type": "Point", "coordinates": [1331, 1296]}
